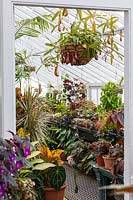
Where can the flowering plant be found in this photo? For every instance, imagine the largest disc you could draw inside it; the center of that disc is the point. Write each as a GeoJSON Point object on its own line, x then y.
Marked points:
{"type": "Point", "coordinates": [12, 157]}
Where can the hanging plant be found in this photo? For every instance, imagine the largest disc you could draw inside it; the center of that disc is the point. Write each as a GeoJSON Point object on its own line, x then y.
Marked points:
{"type": "Point", "coordinates": [82, 40]}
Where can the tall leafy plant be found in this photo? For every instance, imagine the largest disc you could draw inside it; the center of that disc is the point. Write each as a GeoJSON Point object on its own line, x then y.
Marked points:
{"type": "Point", "coordinates": [31, 115]}
{"type": "Point", "coordinates": [109, 99]}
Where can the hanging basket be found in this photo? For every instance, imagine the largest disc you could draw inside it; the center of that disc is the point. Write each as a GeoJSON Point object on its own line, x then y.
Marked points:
{"type": "Point", "coordinates": [75, 55]}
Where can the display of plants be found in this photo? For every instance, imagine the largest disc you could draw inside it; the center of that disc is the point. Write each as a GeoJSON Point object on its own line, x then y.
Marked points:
{"type": "Point", "coordinates": [55, 120]}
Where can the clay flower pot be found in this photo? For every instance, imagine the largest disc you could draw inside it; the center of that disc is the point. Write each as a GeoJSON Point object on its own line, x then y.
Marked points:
{"type": "Point", "coordinates": [109, 162]}
{"type": "Point", "coordinates": [52, 194]}
{"type": "Point", "coordinates": [99, 160]}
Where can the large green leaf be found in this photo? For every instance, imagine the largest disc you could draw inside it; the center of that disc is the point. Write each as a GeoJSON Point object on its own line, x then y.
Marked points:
{"type": "Point", "coordinates": [43, 166]}
{"type": "Point", "coordinates": [33, 154]}
{"type": "Point", "coordinates": [37, 161]}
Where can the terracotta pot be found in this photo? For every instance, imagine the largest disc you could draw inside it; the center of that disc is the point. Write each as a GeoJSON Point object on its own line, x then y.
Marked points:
{"type": "Point", "coordinates": [109, 162]}
{"type": "Point", "coordinates": [51, 194]}
{"type": "Point", "coordinates": [99, 160]}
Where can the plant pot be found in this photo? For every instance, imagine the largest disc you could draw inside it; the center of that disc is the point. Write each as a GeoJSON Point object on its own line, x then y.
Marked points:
{"type": "Point", "coordinates": [75, 55]}
{"type": "Point", "coordinates": [109, 162]}
{"type": "Point", "coordinates": [99, 160]}
{"type": "Point", "coordinates": [52, 194]}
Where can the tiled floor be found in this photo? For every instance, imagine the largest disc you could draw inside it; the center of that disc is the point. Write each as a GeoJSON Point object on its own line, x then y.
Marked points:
{"type": "Point", "coordinates": [87, 186]}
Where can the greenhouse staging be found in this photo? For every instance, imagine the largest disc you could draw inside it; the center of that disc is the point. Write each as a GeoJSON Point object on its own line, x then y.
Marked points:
{"type": "Point", "coordinates": [66, 100]}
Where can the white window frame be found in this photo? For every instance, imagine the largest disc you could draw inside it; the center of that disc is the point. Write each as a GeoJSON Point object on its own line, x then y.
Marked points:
{"type": "Point", "coordinates": [7, 65]}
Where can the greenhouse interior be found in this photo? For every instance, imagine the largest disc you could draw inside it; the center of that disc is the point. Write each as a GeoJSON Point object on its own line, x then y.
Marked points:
{"type": "Point", "coordinates": [69, 83]}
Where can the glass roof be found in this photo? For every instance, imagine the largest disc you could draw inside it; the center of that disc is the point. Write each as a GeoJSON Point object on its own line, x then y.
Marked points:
{"type": "Point", "coordinates": [96, 72]}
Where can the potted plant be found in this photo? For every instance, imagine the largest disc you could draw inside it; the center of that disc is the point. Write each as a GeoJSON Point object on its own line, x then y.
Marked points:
{"type": "Point", "coordinates": [115, 152]}
{"type": "Point", "coordinates": [99, 149]}
{"type": "Point", "coordinates": [47, 172]}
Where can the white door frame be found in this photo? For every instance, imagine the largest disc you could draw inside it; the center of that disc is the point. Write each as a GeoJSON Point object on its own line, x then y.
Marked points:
{"type": "Point", "coordinates": [7, 66]}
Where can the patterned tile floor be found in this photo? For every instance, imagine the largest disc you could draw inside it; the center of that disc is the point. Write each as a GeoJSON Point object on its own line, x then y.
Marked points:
{"type": "Point", "coordinates": [87, 186]}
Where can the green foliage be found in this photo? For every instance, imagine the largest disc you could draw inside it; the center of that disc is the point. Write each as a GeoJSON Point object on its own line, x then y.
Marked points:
{"type": "Point", "coordinates": [22, 66]}
{"type": "Point", "coordinates": [65, 136]}
{"type": "Point", "coordinates": [57, 177]}
{"type": "Point", "coordinates": [32, 27]}
{"type": "Point", "coordinates": [82, 156]}
{"type": "Point", "coordinates": [110, 100]}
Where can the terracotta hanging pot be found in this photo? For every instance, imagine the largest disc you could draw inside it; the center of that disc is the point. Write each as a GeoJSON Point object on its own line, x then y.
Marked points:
{"type": "Point", "coordinates": [52, 194]}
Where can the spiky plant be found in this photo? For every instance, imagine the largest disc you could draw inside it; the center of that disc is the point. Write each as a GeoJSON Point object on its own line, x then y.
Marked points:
{"type": "Point", "coordinates": [31, 116]}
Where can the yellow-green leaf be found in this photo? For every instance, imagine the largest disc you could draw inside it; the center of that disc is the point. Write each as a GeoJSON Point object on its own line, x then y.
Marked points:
{"type": "Point", "coordinates": [43, 166]}
{"type": "Point", "coordinates": [33, 154]}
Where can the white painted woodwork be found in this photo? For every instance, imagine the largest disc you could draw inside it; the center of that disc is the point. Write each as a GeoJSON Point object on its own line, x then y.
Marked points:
{"type": "Point", "coordinates": [7, 71]}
